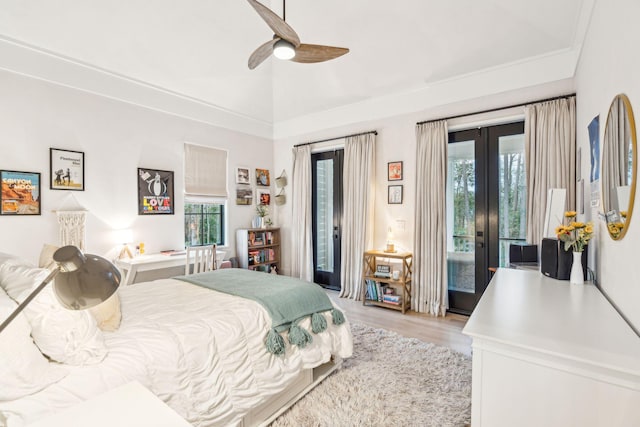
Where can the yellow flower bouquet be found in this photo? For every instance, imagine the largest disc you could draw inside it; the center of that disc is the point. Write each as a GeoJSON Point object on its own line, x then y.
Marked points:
{"type": "Point", "coordinates": [575, 235]}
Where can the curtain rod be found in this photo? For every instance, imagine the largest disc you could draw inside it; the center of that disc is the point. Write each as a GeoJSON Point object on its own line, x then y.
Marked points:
{"type": "Point", "coordinates": [375, 132]}
{"type": "Point", "coordinates": [491, 110]}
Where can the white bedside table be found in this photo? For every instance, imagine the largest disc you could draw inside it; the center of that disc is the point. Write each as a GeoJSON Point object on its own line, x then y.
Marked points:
{"type": "Point", "coordinates": [130, 405]}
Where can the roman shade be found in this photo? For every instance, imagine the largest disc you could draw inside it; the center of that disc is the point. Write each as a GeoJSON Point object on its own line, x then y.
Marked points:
{"type": "Point", "coordinates": [205, 171]}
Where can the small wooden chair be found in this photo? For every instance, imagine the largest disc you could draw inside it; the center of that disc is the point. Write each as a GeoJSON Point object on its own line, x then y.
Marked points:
{"type": "Point", "coordinates": [203, 258]}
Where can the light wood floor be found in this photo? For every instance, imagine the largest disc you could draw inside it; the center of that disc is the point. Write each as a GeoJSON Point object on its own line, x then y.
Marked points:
{"type": "Point", "coordinates": [446, 331]}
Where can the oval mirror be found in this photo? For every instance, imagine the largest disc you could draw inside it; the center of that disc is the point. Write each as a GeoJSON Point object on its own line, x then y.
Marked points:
{"type": "Point", "coordinates": [619, 166]}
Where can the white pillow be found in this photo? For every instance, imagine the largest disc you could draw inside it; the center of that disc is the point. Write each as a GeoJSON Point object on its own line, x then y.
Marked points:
{"type": "Point", "coordinates": [66, 336]}
{"type": "Point", "coordinates": [46, 257]}
{"type": "Point", "coordinates": [23, 369]}
{"type": "Point", "coordinates": [108, 315]}
{"type": "Point", "coordinates": [13, 260]}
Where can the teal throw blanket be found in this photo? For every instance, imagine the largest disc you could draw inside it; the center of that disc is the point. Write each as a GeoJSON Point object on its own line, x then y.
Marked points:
{"type": "Point", "coordinates": [287, 300]}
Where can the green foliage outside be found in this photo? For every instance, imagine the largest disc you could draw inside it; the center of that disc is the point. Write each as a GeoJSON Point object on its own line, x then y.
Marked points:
{"type": "Point", "coordinates": [203, 224]}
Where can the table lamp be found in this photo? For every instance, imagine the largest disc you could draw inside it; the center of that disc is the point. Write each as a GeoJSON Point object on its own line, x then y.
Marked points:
{"type": "Point", "coordinates": [124, 236]}
{"type": "Point", "coordinates": [82, 281]}
{"type": "Point", "coordinates": [390, 246]}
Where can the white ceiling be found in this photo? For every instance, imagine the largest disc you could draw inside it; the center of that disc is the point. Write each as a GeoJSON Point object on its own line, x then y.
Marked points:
{"type": "Point", "coordinates": [199, 48]}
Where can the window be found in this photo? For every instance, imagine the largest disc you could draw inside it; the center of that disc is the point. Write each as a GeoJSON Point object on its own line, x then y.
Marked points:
{"type": "Point", "coordinates": [204, 223]}
{"type": "Point", "coordinates": [205, 189]}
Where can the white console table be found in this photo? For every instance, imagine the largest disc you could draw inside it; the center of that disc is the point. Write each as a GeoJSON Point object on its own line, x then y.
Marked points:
{"type": "Point", "coordinates": [133, 266]}
{"type": "Point", "coordinates": [548, 353]}
{"type": "Point", "coordinates": [131, 405]}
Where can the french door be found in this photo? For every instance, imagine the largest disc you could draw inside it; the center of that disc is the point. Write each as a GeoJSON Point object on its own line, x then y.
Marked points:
{"type": "Point", "coordinates": [327, 217]}
{"type": "Point", "coordinates": [486, 207]}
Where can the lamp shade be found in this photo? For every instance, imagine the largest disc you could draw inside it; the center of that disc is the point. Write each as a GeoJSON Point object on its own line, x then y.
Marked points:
{"type": "Point", "coordinates": [282, 49]}
{"type": "Point", "coordinates": [84, 280]}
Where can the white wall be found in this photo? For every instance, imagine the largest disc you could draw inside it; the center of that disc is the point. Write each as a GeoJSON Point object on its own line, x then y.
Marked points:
{"type": "Point", "coordinates": [609, 65]}
{"type": "Point", "coordinates": [116, 138]}
{"type": "Point", "coordinates": [396, 141]}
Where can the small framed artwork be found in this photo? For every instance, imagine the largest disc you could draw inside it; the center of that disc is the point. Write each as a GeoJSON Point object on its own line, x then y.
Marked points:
{"type": "Point", "coordinates": [394, 171]}
{"type": "Point", "coordinates": [395, 194]}
{"type": "Point", "coordinates": [262, 177]}
{"type": "Point", "coordinates": [263, 197]}
{"type": "Point", "coordinates": [242, 175]}
{"type": "Point", "coordinates": [155, 192]}
{"type": "Point", "coordinates": [244, 195]}
{"type": "Point", "coordinates": [20, 193]}
{"type": "Point", "coordinates": [66, 169]}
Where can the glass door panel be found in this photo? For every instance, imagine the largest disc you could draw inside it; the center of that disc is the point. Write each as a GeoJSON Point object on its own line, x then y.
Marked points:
{"type": "Point", "coordinates": [513, 194]}
{"type": "Point", "coordinates": [461, 216]}
{"type": "Point", "coordinates": [324, 216]}
{"type": "Point", "coordinates": [326, 176]}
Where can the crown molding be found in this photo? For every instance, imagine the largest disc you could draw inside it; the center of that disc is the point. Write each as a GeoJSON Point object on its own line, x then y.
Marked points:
{"type": "Point", "coordinates": [21, 58]}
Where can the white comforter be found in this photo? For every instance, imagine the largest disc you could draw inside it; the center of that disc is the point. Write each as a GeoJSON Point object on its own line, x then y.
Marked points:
{"type": "Point", "coordinates": [200, 351]}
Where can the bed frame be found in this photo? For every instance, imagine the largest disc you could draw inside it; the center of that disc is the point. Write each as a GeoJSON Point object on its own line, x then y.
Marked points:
{"type": "Point", "coordinates": [276, 405]}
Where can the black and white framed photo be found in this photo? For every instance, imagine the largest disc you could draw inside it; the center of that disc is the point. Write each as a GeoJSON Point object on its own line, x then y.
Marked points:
{"type": "Point", "coordinates": [395, 194]}
{"type": "Point", "coordinates": [20, 193]}
{"type": "Point", "coordinates": [155, 192]}
{"type": "Point", "coordinates": [242, 175]}
{"type": "Point", "coordinates": [66, 169]}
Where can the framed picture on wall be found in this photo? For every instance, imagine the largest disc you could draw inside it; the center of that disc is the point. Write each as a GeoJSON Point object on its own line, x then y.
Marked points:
{"type": "Point", "coordinates": [20, 193]}
{"type": "Point", "coordinates": [244, 195]}
{"type": "Point", "coordinates": [262, 177]}
{"type": "Point", "coordinates": [155, 192]}
{"type": "Point", "coordinates": [66, 169]}
{"type": "Point", "coordinates": [394, 171]}
{"type": "Point", "coordinates": [395, 194]}
{"type": "Point", "coordinates": [242, 175]}
{"type": "Point", "coordinates": [263, 197]}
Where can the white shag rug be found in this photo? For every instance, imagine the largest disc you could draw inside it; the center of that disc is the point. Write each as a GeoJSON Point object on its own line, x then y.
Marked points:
{"type": "Point", "coordinates": [389, 381]}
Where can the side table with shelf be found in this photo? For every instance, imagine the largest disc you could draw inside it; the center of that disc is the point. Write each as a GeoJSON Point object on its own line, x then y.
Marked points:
{"type": "Point", "coordinates": [402, 285]}
{"type": "Point", "coordinates": [258, 248]}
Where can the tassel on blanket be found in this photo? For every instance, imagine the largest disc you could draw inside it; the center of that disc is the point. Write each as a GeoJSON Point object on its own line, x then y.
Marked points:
{"type": "Point", "coordinates": [318, 323]}
{"type": "Point", "coordinates": [337, 316]}
{"type": "Point", "coordinates": [299, 336]}
{"type": "Point", "coordinates": [275, 343]}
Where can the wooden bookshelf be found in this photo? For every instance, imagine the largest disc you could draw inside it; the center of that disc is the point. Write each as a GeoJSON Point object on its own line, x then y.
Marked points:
{"type": "Point", "coordinates": [401, 286]}
{"type": "Point", "coordinates": [258, 248]}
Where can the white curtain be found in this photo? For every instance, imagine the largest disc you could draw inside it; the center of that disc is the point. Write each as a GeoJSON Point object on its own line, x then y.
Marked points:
{"type": "Point", "coordinates": [357, 220]}
{"type": "Point", "coordinates": [550, 155]}
{"type": "Point", "coordinates": [72, 228]}
{"type": "Point", "coordinates": [301, 215]}
{"type": "Point", "coordinates": [429, 290]}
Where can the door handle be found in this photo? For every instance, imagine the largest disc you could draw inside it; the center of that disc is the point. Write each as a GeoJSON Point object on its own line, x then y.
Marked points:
{"type": "Point", "coordinates": [480, 245]}
{"type": "Point", "coordinates": [336, 233]}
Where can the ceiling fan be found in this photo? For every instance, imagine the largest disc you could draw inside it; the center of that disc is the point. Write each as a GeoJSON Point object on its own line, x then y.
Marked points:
{"type": "Point", "coordinates": [286, 43]}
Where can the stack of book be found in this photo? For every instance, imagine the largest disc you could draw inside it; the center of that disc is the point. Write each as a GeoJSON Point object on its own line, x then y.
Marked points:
{"type": "Point", "coordinates": [392, 299]}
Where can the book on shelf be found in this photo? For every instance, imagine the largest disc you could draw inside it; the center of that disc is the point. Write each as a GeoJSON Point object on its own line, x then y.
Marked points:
{"type": "Point", "coordinates": [392, 299]}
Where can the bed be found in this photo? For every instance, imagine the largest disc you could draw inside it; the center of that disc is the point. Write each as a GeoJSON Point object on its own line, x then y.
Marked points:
{"type": "Point", "coordinates": [201, 351]}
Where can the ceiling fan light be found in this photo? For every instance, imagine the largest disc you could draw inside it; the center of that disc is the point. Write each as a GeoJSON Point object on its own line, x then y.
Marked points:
{"type": "Point", "coordinates": [284, 50]}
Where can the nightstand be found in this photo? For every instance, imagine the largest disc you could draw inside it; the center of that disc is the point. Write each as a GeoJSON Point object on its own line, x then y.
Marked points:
{"type": "Point", "coordinates": [130, 405]}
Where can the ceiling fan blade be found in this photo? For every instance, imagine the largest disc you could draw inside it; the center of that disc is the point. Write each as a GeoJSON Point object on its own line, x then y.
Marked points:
{"type": "Point", "coordinates": [277, 24]}
{"type": "Point", "coordinates": [262, 53]}
{"type": "Point", "coordinates": [309, 53]}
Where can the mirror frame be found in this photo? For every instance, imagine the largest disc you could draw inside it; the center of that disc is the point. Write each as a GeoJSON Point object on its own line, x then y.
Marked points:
{"type": "Point", "coordinates": [634, 145]}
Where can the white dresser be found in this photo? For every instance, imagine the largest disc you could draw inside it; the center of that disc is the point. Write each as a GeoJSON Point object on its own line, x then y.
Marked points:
{"type": "Point", "coordinates": [548, 353]}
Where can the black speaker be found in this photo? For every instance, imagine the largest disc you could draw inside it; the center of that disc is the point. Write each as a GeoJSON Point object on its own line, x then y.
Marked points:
{"type": "Point", "coordinates": [523, 253]}
{"type": "Point", "coordinates": [556, 263]}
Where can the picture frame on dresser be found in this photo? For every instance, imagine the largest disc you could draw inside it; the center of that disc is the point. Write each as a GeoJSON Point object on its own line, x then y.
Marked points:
{"type": "Point", "coordinates": [155, 192]}
{"type": "Point", "coordinates": [21, 193]}
{"type": "Point", "coordinates": [66, 169]}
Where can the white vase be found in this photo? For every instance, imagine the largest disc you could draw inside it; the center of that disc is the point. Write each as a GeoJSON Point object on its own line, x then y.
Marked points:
{"type": "Point", "coordinates": [577, 275]}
